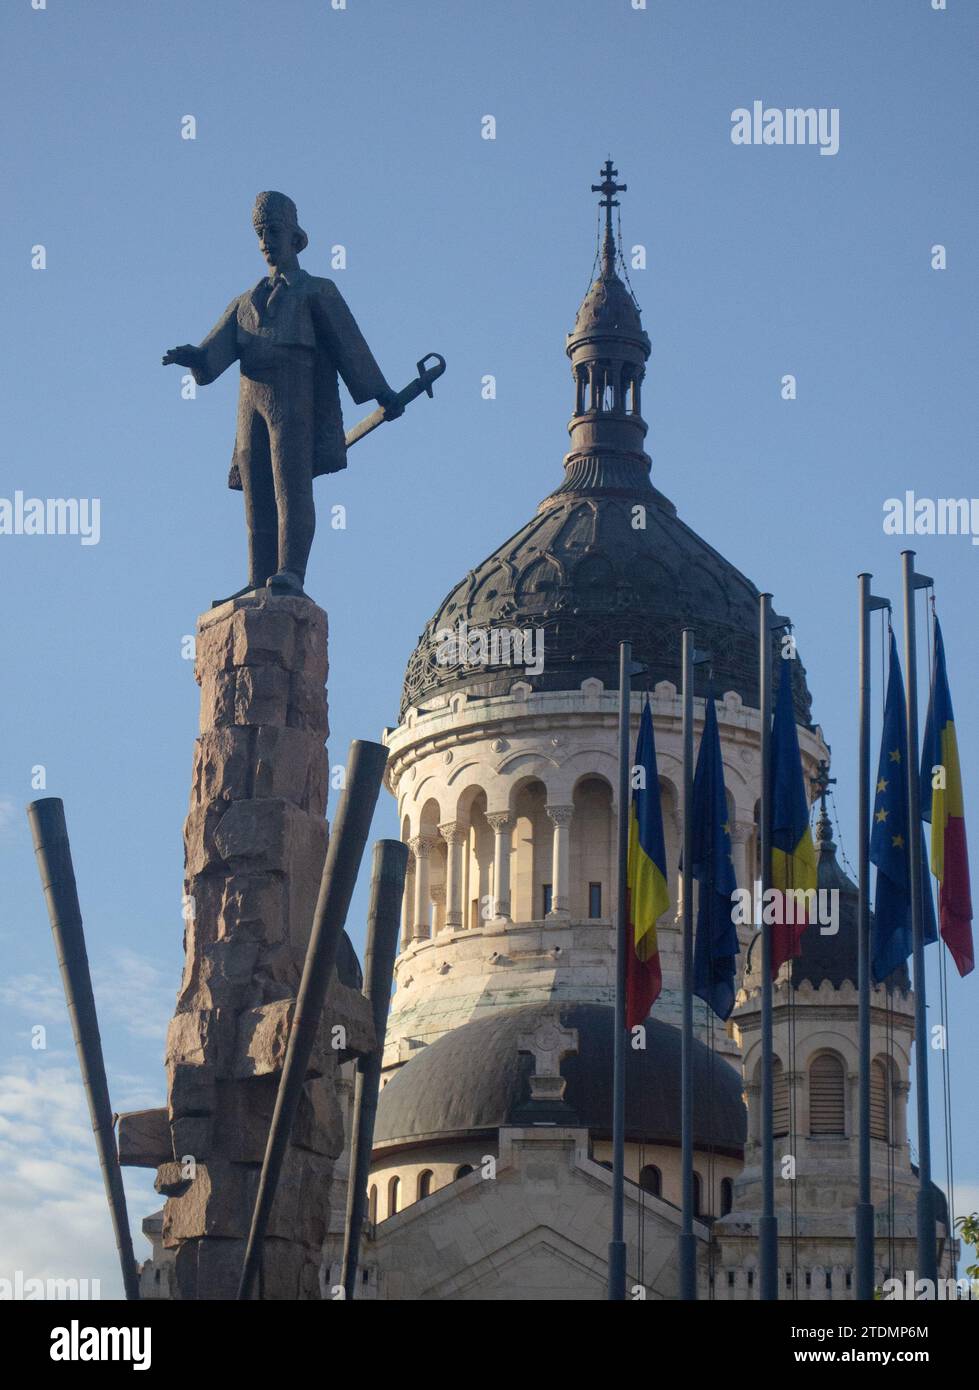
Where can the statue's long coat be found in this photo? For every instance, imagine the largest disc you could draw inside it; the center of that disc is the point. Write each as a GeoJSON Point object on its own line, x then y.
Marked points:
{"type": "Point", "coordinates": [310, 312]}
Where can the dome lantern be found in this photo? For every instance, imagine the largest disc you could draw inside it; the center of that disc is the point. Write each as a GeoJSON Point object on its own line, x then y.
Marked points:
{"type": "Point", "coordinates": [608, 349]}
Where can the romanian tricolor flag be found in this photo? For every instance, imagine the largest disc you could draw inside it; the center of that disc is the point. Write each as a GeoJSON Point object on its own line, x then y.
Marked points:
{"type": "Point", "coordinates": [647, 896]}
{"type": "Point", "coordinates": [943, 806]}
{"type": "Point", "coordinates": [793, 853]}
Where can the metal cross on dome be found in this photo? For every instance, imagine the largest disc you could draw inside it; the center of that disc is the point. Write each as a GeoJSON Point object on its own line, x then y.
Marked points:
{"type": "Point", "coordinates": [608, 188]}
{"type": "Point", "coordinates": [822, 783]}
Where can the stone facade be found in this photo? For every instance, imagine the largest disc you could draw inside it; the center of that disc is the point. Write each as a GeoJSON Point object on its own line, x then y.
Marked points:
{"type": "Point", "coordinates": [538, 1229]}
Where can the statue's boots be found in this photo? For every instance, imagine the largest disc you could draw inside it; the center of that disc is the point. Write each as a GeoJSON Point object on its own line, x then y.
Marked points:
{"type": "Point", "coordinates": [286, 582]}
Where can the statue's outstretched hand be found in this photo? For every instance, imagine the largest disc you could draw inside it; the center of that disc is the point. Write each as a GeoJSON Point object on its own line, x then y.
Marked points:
{"type": "Point", "coordinates": [185, 356]}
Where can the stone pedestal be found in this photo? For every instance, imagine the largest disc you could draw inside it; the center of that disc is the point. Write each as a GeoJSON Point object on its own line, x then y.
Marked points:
{"type": "Point", "coordinates": [254, 843]}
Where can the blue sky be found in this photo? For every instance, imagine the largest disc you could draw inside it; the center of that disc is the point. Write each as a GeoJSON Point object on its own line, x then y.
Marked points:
{"type": "Point", "coordinates": [761, 261]}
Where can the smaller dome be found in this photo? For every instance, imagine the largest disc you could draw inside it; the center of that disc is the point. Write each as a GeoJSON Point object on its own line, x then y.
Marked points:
{"type": "Point", "coordinates": [833, 957]}
{"type": "Point", "coordinates": [474, 1080]}
{"type": "Point", "coordinates": [608, 307]}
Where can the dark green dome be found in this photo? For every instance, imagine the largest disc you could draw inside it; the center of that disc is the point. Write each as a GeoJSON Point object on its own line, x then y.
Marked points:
{"type": "Point", "coordinates": [475, 1079]}
{"type": "Point", "coordinates": [584, 573]}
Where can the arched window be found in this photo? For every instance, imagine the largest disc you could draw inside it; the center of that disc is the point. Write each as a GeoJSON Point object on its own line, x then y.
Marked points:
{"type": "Point", "coordinates": [727, 1195]}
{"type": "Point", "coordinates": [425, 1183]}
{"type": "Point", "coordinates": [780, 1100]}
{"type": "Point", "coordinates": [826, 1095]}
{"type": "Point", "coordinates": [651, 1180]}
{"type": "Point", "coordinates": [697, 1195]}
{"type": "Point", "coordinates": [394, 1195]}
{"type": "Point", "coordinates": [880, 1102]}
{"type": "Point", "coordinates": [372, 1204]}
{"type": "Point", "coordinates": [463, 1170]}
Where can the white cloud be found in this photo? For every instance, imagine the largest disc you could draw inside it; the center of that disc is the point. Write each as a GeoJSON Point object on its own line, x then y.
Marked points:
{"type": "Point", "coordinates": [54, 1218]}
{"type": "Point", "coordinates": [966, 1197]}
{"type": "Point", "coordinates": [132, 992]}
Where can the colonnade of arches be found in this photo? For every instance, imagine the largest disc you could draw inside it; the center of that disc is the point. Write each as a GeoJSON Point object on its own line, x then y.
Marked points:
{"type": "Point", "coordinates": [537, 858]}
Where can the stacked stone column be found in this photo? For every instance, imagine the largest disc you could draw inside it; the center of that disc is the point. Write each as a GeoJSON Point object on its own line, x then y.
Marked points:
{"type": "Point", "coordinates": [254, 841]}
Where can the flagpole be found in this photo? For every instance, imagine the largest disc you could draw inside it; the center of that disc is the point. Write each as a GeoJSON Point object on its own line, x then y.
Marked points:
{"type": "Point", "coordinates": [616, 1249]}
{"type": "Point", "coordinates": [868, 604]}
{"type": "Point", "coordinates": [927, 1256]}
{"type": "Point", "coordinates": [767, 1222]}
{"type": "Point", "coordinates": [687, 1244]}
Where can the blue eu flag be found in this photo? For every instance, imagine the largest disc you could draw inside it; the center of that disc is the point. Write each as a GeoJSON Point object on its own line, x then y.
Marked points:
{"type": "Point", "coordinates": [890, 938]}
{"type": "Point", "coordinates": [716, 940]}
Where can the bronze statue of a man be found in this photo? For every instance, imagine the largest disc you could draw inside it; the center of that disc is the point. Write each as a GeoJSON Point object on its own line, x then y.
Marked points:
{"type": "Point", "coordinates": [291, 334]}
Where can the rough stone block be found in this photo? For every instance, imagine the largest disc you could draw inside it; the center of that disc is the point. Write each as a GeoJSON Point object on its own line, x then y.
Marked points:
{"type": "Point", "coordinates": [226, 973]}
{"type": "Point", "coordinates": [267, 834]}
{"type": "Point", "coordinates": [350, 1010]}
{"type": "Point", "coordinates": [218, 690]}
{"type": "Point", "coordinates": [144, 1138]}
{"type": "Point", "coordinates": [290, 1272]}
{"type": "Point", "coordinates": [299, 1211]}
{"type": "Point", "coordinates": [243, 1117]}
{"type": "Point", "coordinates": [200, 850]}
{"type": "Point", "coordinates": [253, 906]}
{"type": "Point", "coordinates": [191, 1091]}
{"type": "Point", "coordinates": [311, 645]}
{"type": "Point", "coordinates": [200, 1038]}
{"type": "Point", "coordinates": [213, 649]}
{"type": "Point", "coordinates": [218, 1202]}
{"type": "Point", "coordinates": [224, 763]}
{"type": "Point", "coordinates": [208, 1268]}
{"type": "Point", "coordinates": [319, 1119]}
{"type": "Point", "coordinates": [307, 704]}
{"type": "Point", "coordinates": [261, 695]}
{"type": "Point", "coordinates": [193, 1137]}
{"type": "Point", "coordinates": [260, 1045]}
{"type": "Point", "coordinates": [263, 636]}
{"type": "Point", "coordinates": [171, 1179]}
{"type": "Point", "coordinates": [292, 763]}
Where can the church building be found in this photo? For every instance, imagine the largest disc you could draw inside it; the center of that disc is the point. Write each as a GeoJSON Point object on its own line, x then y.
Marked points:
{"type": "Point", "coordinates": [491, 1171]}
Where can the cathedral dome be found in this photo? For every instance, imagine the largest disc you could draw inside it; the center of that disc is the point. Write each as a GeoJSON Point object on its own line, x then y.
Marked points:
{"type": "Point", "coordinates": [583, 574]}
{"type": "Point", "coordinates": [606, 558]}
{"type": "Point", "coordinates": [475, 1079]}
{"type": "Point", "coordinates": [835, 957]}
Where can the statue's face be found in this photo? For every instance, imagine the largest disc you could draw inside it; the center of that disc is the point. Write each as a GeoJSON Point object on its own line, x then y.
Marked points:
{"type": "Point", "coordinates": [277, 240]}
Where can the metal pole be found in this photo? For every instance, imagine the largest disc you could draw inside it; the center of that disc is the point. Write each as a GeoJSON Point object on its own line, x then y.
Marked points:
{"type": "Point", "coordinates": [365, 768]}
{"type": "Point", "coordinates": [53, 853]}
{"type": "Point", "coordinates": [616, 1249]}
{"type": "Point", "coordinates": [767, 1222]}
{"type": "Point", "coordinates": [864, 1216]}
{"type": "Point", "coordinates": [383, 920]}
{"type": "Point", "coordinates": [927, 1256]}
{"type": "Point", "coordinates": [687, 1243]}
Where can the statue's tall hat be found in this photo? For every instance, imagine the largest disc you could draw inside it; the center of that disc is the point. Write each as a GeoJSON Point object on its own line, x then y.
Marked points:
{"type": "Point", "coordinates": [272, 204]}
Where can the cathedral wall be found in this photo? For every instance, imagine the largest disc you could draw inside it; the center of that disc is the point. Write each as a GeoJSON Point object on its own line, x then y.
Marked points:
{"type": "Point", "coordinates": [508, 806]}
